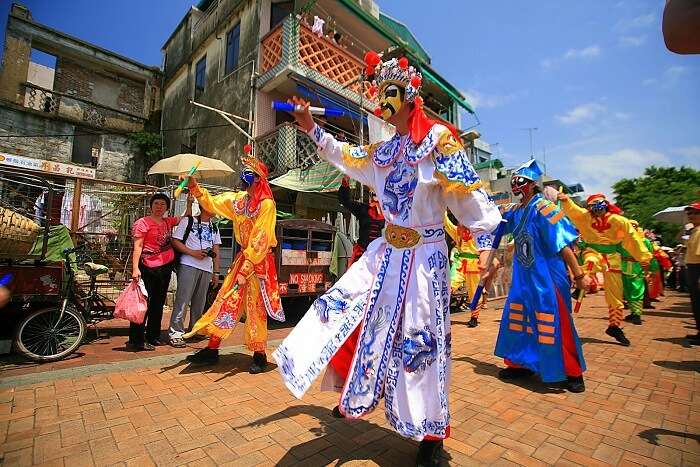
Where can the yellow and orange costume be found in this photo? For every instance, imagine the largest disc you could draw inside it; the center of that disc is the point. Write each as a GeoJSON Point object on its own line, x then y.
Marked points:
{"type": "Point", "coordinates": [604, 239]}
{"type": "Point", "coordinates": [464, 271]}
{"type": "Point", "coordinates": [254, 219]}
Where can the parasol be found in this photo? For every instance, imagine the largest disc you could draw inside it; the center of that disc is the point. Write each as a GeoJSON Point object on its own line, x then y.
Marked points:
{"type": "Point", "coordinates": [673, 215]}
{"type": "Point", "coordinates": [182, 164]}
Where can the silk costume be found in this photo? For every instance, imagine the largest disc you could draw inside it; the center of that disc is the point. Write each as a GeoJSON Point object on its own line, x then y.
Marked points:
{"type": "Point", "coordinates": [464, 270]}
{"type": "Point", "coordinates": [254, 219]}
{"type": "Point", "coordinates": [398, 292]}
{"type": "Point", "coordinates": [608, 236]}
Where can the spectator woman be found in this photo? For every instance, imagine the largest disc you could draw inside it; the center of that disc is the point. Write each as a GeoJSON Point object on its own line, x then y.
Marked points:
{"type": "Point", "coordinates": [153, 260]}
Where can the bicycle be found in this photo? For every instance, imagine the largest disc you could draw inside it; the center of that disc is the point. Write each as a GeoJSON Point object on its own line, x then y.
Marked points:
{"type": "Point", "coordinates": [53, 333]}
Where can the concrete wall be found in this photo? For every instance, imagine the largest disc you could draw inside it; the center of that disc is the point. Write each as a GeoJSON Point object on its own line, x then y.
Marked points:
{"type": "Point", "coordinates": [118, 160]}
{"type": "Point", "coordinates": [231, 93]}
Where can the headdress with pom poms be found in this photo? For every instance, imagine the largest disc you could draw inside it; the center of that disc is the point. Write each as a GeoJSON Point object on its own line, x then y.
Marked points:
{"type": "Point", "coordinates": [394, 71]}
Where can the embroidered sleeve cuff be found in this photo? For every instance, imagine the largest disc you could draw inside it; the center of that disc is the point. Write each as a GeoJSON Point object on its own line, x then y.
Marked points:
{"type": "Point", "coordinates": [246, 268]}
{"type": "Point", "coordinates": [317, 134]}
{"type": "Point", "coordinates": [484, 241]}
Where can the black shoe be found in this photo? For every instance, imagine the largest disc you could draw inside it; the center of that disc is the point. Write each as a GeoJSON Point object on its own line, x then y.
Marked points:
{"type": "Point", "coordinates": [473, 322]}
{"type": "Point", "coordinates": [259, 363]}
{"type": "Point", "coordinates": [617, 334]}
{"type": "Point", "coordinates": [429, 453]}
{"type": "Point", "coordinates": [155, 342]}
{"type": "Point", "coordinates": [634, 319]}
{"type": "Point", "coordinates": [177, 342]}
{"type": "Point", "coordinates": [145, 347]}
{"type": "Point", "coordinates": [336, 412]}
{"type": "Point", "coordinates": [515, 373]}
{"type": "Point", "coordinates": [575, 384]}
{"type": "Point", "coordinates": [205, 356]}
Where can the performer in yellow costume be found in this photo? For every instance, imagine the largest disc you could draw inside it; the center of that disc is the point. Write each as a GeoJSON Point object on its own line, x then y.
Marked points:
{"type": "Point", "coordinates": [251, 285]}
{"type": "Point", "coordinates": [466, 268]}
{"type": "Point", "coordinates": [608, 234]}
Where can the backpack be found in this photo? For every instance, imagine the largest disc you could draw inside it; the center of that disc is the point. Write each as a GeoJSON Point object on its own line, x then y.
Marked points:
{"type": "Point", "coordinates": [188, 231]}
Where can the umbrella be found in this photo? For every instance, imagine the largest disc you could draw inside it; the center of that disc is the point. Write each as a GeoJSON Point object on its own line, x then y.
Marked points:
{"type": "Point", "coordinates": [183, 163]}
{"type": "Point", "coordinates": [673, 215]}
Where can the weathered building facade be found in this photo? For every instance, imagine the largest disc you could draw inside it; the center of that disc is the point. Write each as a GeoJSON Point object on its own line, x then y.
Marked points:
{"type": "Point", "coordinates": [240, 55]}
{"type": "Point", "coordinates": [80, 109]}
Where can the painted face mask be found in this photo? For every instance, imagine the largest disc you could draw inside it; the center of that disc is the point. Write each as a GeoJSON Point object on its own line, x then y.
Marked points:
{"type": "Point", "coordinates": [518, 184]}
{"type": "Point", "coordinates": [599, 208]}
{"type": "Point", "coordinates": [390, 100]}
{"type": "Point", "coordinates": [247, 178]}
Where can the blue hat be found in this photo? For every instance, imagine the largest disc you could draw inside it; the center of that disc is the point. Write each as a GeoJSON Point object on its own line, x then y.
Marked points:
{"type": "Point", "coordinates": [530, 170]}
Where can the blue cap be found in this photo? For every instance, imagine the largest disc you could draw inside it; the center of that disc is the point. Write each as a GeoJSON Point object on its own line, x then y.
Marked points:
{"type": "Point", "coordinates": [530, 170]}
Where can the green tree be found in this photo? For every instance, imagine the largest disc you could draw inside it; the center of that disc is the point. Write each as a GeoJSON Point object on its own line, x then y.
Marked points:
{"type": "Point", "coordinates": [658, 189]}
{"type": "Point", "coordinates": [149, 144]}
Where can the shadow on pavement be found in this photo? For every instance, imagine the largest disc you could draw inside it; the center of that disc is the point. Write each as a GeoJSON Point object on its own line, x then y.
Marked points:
{"type": "Point", "coordinates": [652, 435]}
{"type": "Point", "coordinates": [682, 341]}
{"type": "Point", "coordinates": [595, 340]}
{"type": "Point", "coordinates": [345, 441]}
{"type": "Point", "coordinates": [229, 365]}
{"type": "Point", "coordinates": [532, 383]}
{"type": "Point", "coordinates": [686, 365]}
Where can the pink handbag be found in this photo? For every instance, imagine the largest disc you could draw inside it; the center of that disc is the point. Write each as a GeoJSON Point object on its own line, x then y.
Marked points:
{"type": "Point", "coordinates": [132, 304]}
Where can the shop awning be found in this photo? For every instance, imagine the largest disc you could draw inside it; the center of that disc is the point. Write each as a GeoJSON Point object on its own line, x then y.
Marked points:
{"type": "Point", "coordinates": [321, 177]}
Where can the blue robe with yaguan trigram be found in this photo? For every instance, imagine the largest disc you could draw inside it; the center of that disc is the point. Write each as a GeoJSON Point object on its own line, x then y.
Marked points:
{"type": "Point", "coordinates": [530, 332]}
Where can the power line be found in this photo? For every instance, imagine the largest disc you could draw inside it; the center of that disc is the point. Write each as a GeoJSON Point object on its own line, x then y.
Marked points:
{"type": "Point", "coordinates": [124, 133]}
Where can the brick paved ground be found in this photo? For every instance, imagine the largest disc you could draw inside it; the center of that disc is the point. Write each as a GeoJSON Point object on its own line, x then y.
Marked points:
{"type": "Point", "coordinates": [640, 408]}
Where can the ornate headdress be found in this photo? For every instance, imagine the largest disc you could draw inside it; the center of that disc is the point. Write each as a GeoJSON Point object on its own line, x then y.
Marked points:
{"type": "Point", "coordinates": [263, 190]}
{"type": "Point", "coordinates": [394, 71]}
{"type": "Point", "coordinates": [530, 170]}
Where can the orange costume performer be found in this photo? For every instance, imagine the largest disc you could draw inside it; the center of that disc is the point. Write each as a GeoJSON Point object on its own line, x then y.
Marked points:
{"type": "Point", "coordinates": [250, 285]}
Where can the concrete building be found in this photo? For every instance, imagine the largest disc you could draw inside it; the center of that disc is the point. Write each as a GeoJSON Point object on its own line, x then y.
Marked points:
{"type": "Point", "coordinates": [76, 110]}
{"type": "Point", "coordinates": [239, 56]}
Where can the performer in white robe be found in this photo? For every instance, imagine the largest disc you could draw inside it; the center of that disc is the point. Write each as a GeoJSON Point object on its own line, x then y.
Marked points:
{"type": "Point", "coordinates": [398, 292]}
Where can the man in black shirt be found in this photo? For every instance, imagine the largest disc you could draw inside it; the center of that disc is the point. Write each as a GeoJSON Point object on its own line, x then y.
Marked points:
{"type": "Point", "coordinates": [369, 215]}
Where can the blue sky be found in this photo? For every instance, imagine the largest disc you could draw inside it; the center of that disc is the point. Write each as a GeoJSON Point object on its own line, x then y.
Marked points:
{"type": "Point", "coordinates": [594, 77]}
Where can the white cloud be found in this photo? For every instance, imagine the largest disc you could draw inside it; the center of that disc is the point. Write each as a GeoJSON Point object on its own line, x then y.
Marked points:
{"type": "Point", "coordinates": [638, 22]}
{"type": "Point", "coordinates": [488, 101]}
{"type": "Point", "coordinates": [632, 41]}
{"type": "Point", "coordinates": [676, 71]}
{"type": "Point", "coordinates": [623, 115]}
{"type": "Point", "coordinates": [689, 151]}
{"type": "Point", "coordinates": [586, 53]}
{"type": "Point", "coordinates": [599, 171]}
{"type": "Point", "coordinates": [581, 113]}
{"type": "Point", "coordinates": [649, 82]}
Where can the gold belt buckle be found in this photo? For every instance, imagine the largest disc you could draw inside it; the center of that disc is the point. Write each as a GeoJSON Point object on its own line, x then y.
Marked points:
{"type": "Point", "coordinates": [401, 237]}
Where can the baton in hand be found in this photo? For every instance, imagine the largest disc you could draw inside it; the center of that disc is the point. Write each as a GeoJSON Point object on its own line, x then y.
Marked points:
{"type": "Point", "coordinates": [489, 264]}
{"type": "Point", "coordinates": [185, 180]}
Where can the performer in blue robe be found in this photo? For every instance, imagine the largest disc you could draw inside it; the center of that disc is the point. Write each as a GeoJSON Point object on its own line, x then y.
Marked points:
{"type": "Point", "coordinates": [537, 333]}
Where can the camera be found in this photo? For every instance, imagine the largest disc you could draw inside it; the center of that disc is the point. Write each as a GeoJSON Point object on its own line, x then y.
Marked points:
{"type": "Point", "coordinates": [210, 253]}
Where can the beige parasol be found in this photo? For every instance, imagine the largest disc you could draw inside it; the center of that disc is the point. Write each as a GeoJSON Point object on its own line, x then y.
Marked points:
{"type": "Point", "coordinates": [182, 164]}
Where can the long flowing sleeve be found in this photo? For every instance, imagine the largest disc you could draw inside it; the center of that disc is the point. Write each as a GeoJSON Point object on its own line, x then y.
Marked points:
{"type": "Point", "coordinates": [262, 237]}
{"type": "Point", "coordinates": [354, 161]}
{"type": "Point", "coordinates": [477, 212]}
{"type": "Point", "coordinates": [631, 239]}
{"type": "Point", "coordinates": [578, 215]}
{"type": "Point", "coordinates": [221, 205]}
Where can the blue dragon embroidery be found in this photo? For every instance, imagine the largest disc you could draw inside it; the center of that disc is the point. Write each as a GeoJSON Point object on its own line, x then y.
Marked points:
{"type": "Point", "coordinates": [419, 350]}
{"type": "Point", "coordinates": [399, 187]}
{"type": "Point", "coordinates": [334, 301]}
{"type": "Point", "coordinates": [367, 358]}
{"type": "Point", "coordinates": [225, 321]}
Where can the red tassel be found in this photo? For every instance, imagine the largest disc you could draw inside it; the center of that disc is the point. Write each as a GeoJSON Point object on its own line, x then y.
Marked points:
{"type": "Point", "coordinates": [403, 63]}
{"type": "Point", "coordinates": [377, 112]}
{"type": "Point", "coordinates": [372, 58]}
{"type": "Point", "coordinates": [416, 81]}
{"type": "Point", "coordinates": [418, 101]}
{"type": "Point", "coordinates": [248, 148]}
{"type": "Point", "coordinates": [369, 71]}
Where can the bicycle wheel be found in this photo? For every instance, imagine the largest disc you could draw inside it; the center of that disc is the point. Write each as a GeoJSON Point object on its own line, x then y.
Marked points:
{"type": "Point", "coordinates": [43, 338]}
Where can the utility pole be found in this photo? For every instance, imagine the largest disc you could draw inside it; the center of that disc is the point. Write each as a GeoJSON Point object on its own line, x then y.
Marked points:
{"type": "Point", "coordinates": [530, 130]}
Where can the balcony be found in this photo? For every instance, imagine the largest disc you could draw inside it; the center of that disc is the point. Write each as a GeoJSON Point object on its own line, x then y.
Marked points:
{"type": "Point", "coordinates": [79, 110]}
{"type": "Point", "coordinates": [292, 46]}
{"type": "Point", "coordinates": [285, 148]}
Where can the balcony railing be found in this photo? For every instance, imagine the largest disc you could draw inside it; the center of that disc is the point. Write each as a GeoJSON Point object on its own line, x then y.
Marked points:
{"type": "Point", "coordinates": [285, 148]}
{"type": "Point", "coordinates": [291, 44]}
{"type": "Point", "coordinates": [79, 110]}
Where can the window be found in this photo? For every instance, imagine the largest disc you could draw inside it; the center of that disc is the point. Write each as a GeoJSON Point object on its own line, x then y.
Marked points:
{"type": "Point", "coordinates": [279, 11]}
{"type": "Point", "coordinates": [85, 148]}
{"type": "Point", "coordinates": [233, 40]}
{"type": "Point", "coordinates": [200, 77]}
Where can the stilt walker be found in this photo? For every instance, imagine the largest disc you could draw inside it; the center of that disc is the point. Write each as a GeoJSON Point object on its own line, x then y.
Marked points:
{"type": "Point", "coordinates": [608, 233]}
{"type": "Point", "coordinates": [537, 333]}
{"type": "Point", "coordinates": [466, 269]}
{"type": "Point", "coordinates": [250, 285]}
{"type": "Point", "coordinates": [398, 292]}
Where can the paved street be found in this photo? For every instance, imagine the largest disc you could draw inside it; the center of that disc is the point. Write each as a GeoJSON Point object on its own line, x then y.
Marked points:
{"type": "Point", "coordinates": [640, 408]}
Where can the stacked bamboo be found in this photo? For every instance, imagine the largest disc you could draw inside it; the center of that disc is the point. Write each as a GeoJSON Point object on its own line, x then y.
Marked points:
{"type": "Point", "coordinates": [17, 234]}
